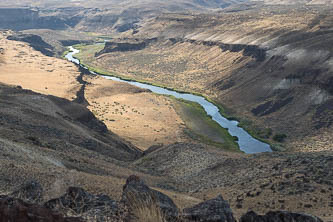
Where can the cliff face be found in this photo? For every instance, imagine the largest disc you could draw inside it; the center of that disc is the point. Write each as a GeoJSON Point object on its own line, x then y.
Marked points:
{"type": "Point", "coordinates": [35, 42]}
{"type": "Point", "coordinates": [95, 16]}
{"type": "Point", "coordinates": [24, 18]}
{"type": "Point", "coordinates": [125, 45]}
{"type": "Point", "coordinates": [63, 124]}
{"type": "Point", "coordinates": [274, 70]}
{"type": "Point", "coordinates": [248, 50]}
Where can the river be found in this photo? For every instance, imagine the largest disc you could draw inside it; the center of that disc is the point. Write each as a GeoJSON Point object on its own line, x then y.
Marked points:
{"type": "Point", "coordinates": [246, 142]}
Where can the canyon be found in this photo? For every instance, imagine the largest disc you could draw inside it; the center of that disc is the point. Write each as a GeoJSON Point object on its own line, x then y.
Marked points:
{"type": "Point", "coordinates": [266, 64]}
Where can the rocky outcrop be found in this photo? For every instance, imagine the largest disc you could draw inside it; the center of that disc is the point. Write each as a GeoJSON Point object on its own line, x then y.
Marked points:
{"type": "Point", "coordinates": [74, 42]}
{"type": "Point", "coordinates": [31, 192]}
{"type": "Point", "coordinates": [81, 202]}
{"type": "Point", "coordinates": [214, 210]}
{"type": "Point", "coordinates": [122, 47]}
{"type": "Point", "coordinates": [35, 42]}
{"type": "Point", "coordinates": [248, 50]}
{"type": "Point", "coordinates": [80, 96]}
{"type": "Point", "coordinates": [139, 203]}
{"type": "Point", "coordinates": [278, 216]}
{"type": "Point", "coordinates": [136, 194]}
{"type": "Point", "coordinates": [271, 106]}
{"type": "Point", "coordinates": [16, 210]}
{"type": "Point", "coordinates": [125, 45]}
{"type": "Point", "coordinates": [27, 18]}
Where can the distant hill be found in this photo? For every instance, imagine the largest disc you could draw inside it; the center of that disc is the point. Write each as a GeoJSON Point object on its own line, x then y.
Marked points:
{"type": "Point", "coordinates": [98, 15]}
{"type": "Point", "coordinates": [171, 5]}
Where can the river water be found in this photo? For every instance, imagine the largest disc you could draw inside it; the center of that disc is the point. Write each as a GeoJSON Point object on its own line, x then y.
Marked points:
{"type": "Point", "coordinates": [246, 142]}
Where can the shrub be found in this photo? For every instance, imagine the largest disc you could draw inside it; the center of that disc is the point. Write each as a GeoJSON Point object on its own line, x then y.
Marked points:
{"type": "Point", "coordinates": [279, 137]}
{"type": "Point", "coordinates": [145, 209]}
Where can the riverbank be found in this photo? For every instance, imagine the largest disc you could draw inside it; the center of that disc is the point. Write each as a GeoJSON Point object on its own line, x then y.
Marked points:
{"type": "Point", "coordinates": [137, 115]}
{"type": "Point", "coordinates": [161, 126]}
{"type": "Point", "coordinates": [248, 144]}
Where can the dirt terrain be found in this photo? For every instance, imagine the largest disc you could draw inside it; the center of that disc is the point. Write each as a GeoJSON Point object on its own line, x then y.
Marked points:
{"type": "Point", "coordinates": [30, 69]}
{"type": "Point", "coordinates": [137, 115]}
{"type": "Point", "coordinates": [125, 109]}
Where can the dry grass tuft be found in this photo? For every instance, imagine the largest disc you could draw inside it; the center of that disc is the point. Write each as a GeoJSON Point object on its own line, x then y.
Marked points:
{"type": "Point", "coordinates": [145, 209]}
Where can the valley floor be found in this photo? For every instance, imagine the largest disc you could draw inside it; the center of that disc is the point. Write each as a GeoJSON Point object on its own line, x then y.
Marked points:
{"type": "Point", "coordinates": [30, 69]}
{"type": "Point", "coordinates": [143, 118]}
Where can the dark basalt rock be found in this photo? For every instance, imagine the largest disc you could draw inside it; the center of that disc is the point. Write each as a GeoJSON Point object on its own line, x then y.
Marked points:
{"type": "Point", "coordinates": [31, 191]}
{"type": "Point", "coordinates": [136, 192]}
{"type": "Point", "coordinates": [278, 216]}
{"type": "Point", "coordinates": [271, 106]}
{"type": "Point", "coordinates": [28, 18]}
{"type": "Point", "coordinates": [35, 42]}
{"type": "Point", "coordinates": [248, 50]}
{"type": "Point", "coordinates": [74, 42]}
{"type": "Point", "coordinates": [214, 210]}
{"type": "Point", "coordinates": [80, 113]}
{"type": "Point", "coordinates": [125, 45]}
{"type": "Point", "coordinates": [322, 116]}
{"type": "Point", "coordinates": [15, 210]}
{"type": "Point", "coordinates": [78, 200]}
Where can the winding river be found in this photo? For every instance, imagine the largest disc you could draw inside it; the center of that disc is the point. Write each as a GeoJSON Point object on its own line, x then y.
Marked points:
{"type": "Point", "coordinates": [246, 142]}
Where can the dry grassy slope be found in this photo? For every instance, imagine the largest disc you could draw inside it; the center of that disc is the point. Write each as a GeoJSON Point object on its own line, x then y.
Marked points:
{"type": "Point", "coordinates": [263, 182]}
{"type": "Point", "coordinates": [64, 120]}
{"type": "Point", "coordinates": [61, 144]}
{"type": "Point", "coordinates": [289, 91]}
{"type": "Point", "coordinates": [58, 143]}
{"type": "Point", "coordinates": [183, 65]}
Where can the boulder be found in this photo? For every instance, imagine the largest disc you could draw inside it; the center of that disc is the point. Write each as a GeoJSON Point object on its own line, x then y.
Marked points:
{"type": "Point", "coordinates": [214, 210]}
{"type": "Point", "coordinates": [137, 194]}
{"type": "Point", "coordinates": [279, 216]}
{"type": "Point", "coordinates": [31, 192]}
{"type": "Point", "coordinates": [80, 201]}
{"type": "Point", "coordinates": [16, 210]}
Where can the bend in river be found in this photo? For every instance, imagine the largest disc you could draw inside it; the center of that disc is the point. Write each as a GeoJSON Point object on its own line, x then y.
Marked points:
{"type": "Point", "coordinates": [246, 142]}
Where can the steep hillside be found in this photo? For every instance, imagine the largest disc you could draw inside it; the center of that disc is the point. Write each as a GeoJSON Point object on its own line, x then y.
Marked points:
{"type": "Point", "coordinates": [94, 16]}
{"type": "Point", "coordinates": [58, 143]}
{"type": "Point", "coordinates": [279, 57]}
{"type": "Point", "coordinates": [261, 182]}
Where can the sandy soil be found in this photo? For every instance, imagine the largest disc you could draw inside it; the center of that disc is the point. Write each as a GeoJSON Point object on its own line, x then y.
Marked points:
{"type": "Point", "coordinates": [32, 70]}
{"type": "Point", "coordinates": [141, 117]}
